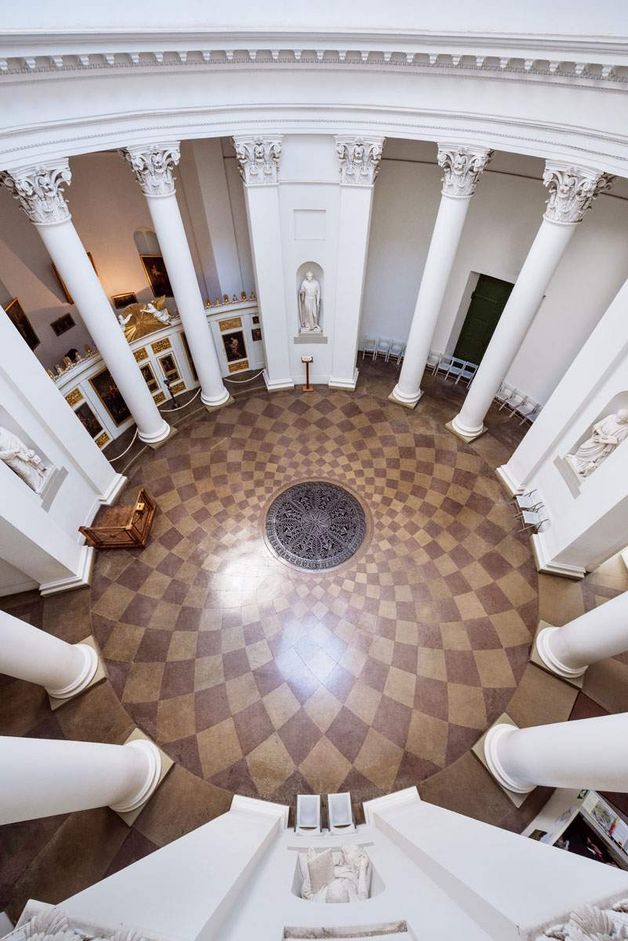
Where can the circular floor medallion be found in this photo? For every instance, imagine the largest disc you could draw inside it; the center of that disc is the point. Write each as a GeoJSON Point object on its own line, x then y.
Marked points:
{"type": "Point", "coordinates": [315, 525]}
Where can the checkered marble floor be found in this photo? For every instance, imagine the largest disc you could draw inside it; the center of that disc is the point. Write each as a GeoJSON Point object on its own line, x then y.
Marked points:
{"type": "Point", "coordinates": [268, 681]}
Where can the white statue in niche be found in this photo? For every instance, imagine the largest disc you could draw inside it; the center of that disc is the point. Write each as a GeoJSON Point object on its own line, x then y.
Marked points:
{"type": "Point", "coordinates": [606, 435]}
{"type": "Point", "coordinates": [25, 462]}
{"type": "Point", "coordinates": [309, 304]}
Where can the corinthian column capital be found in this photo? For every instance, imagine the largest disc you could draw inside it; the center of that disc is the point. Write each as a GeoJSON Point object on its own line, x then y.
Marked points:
{"type": "Point", "coordinates": [359, 159]}
{"type": "Point", "coordinates": [462, 167]}
{"type": "Point", "coordinates": [39, 191]}
{"type": "Point", "coordinates": [572, 191]}
{"type": "Point", "coordinates": [258, 159]}
{"type": "Point", "coordinates": [153, 167]}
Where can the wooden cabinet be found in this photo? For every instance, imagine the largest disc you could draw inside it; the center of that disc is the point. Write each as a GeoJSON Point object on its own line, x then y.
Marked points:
{"type": "Point", "coordinates": [122, 527]}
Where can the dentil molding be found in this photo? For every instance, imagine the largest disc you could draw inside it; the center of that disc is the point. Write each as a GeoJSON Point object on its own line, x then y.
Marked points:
{"type": "Point", "coordinates": [154, 167]}
{"type": "Point", "coordinates": [258, 159]}
{"type": "Point", "coordinates": [359, 159]}
{"type": "Point", "coordinates": [39, 191]}
{"type": "Point", "coordinates": [462, 167]}
{"type": "Point", "coordinates": [572, 191]}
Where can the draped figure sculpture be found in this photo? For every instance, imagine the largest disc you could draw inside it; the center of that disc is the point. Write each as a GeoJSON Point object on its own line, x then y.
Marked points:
{"type": "Point", "coordinates": [309, 304]}
{"type": "Point", "coordinates": [25, 462]}
{"type": "Point", "coordinates": [606, 435]}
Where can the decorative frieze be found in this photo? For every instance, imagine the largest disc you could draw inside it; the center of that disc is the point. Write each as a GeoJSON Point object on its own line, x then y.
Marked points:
{"type": "Point", "coordinates": [359, 159]}
{"type": "Point", "coordinates": [39, 191]}
{"type": "Point", "coordinates": [74, 397]}
{"type": "Point", "coordinates": [161, 345]}
{"type": "Point", "coordinates": [140, 355]}
{"type": "Point", "coordinates": [153, 167]}
{"type": "Point", "coordinates": [258, 159]}
{"type": "Point", "coordinates": [572, 191]}
{"type": "Point", "coordinates": [232, 323]}
{"type": "Point", "coordinates": [462, 167]}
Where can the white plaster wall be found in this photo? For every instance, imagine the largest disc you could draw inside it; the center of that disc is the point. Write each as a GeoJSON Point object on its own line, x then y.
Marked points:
{"type": "Point", "coordinates": [503, 219]}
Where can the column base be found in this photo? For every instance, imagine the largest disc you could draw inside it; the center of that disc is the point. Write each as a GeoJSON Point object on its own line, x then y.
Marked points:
{"type": "Point", "coordinates": [82, 579]}
{"type": "Point", "coordinates": [548, 661]}
{"type": "Point", "coordinates": [91, 666]}
{"type": "Point", "coordinates": [464, 434]}
{"type": "Point", "coordinates": [510, 485]}
{"type": "Point", "coordinates": [212, 404]}
{"type": "Point", "coordinates": [348, 384]}
{"type": "Point", "coordinates": [400, 398]}
{"type": "Point", "coordinates": [491, 752]}
{"type": "Point", "coordinates": [159, 764]}
{"type": "Point", "coordinates": [113, 491]}
{"type": "Point", "coordinates": [158, 438]}
{"type": "Point", "coordinates": [277, 385]}
{"type": "Point", "coordinates": [548, 567]}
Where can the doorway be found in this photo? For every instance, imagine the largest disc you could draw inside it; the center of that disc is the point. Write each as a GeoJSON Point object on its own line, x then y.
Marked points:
{"type": "Point", "coordinates": [485, 308]}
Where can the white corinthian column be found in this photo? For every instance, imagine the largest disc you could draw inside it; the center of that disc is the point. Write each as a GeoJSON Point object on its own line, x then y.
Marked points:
{"type": "Point", "coordinates": [44, 777]}
{"type": "Point", "coordinates": [572, 191]}
{"type": "Point", "coordinates": [462, 167]}
{"type": "Point", "coordinates": [258, 160]}
{"type": "Point", "coordinates": [595, 635]}
{"type": "Point", "coordinates": [39, 192]}
{"type": "Point", "coordinates": [153, 167]}
{"type": "Point", "coordinates": [583, 753]}
{"type": "Point", "coordinates": [27, 653]}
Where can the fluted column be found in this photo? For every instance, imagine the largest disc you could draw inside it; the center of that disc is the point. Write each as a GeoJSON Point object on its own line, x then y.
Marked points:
{"type": "Point", "coordinates": [258, 160]}
{"type": "Point", "coordinates": [595, 635]}
{"type": "Point", "coordinates": [153, 167]}
{"type": "Point", "coordinates": [462, 167]}
{"type": "Point", "coordinates": [584, 753]}
{"type": "Point", "coordinates": [358, 160]}
{"type": "Point", "coordinates": [44, 777]}
{"type": "Point", "coordinates": [572, 191]}
{"type": "Point", "coordinates": [39, 192]}
{"type": "Point", "coordinates": [27, 653]}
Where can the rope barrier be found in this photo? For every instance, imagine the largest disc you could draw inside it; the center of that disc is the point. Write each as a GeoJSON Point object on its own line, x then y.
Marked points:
{"type": "Point", "coordinates": [178, 407]}
{"type": "Point", "coordinates": [112, 459]}
{"type": "Point", "coordinates": [241, 382]}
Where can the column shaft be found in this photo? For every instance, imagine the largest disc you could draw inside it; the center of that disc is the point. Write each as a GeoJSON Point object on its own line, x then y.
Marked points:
{"type": "Point", "coordinates": [166, 216]}
{"type": "Point", "coordinates": [67, 252]}
{"type": "Point", "coordinates": [583, 753]}
{"type": "Point", "coordinates": [30, 654]}
{"type": "Point", "coordinates": [44, 777]}
{"type": "Point", "coordinates": [450, 220]}
{"type": "Point", "coordinates": [596, 635]}
{"type": "Point", "coordinates": [524, 301]}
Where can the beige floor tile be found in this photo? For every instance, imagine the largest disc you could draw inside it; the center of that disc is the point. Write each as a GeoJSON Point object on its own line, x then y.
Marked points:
{"type": "Point", "coordinates": [325, 768]}
{"type": "Point", "coordinates": [427, 738]}
{"type": "Point", "coordinates": [466, 706]}
{"type": "Point", "coordinates": [379, 760]}
{"type": "Point", "coordinates": [494, 668]}
{"type": "Point", "coordinates": [322, 707]}
{"type": "Point", "coordinates": [281, 704]}
{"type": "Point", "coordinates": [400, 686]}
{"type": "Point", "coordinates": [270, 765]}
{"type": "Point", "coordinates": [242, 692]}
{"type": "Point", "coordinates": [432, 663]}
{"type": "Point", "coordinates": [218, 747]}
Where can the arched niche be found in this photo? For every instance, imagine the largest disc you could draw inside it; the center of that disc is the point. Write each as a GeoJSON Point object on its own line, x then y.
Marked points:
{"type": "Point", "coordinates": [319, 274]}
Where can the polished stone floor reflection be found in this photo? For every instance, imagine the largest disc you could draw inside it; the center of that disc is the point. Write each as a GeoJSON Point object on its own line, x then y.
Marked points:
{"type": "Point", "coordinates": [269, 681]}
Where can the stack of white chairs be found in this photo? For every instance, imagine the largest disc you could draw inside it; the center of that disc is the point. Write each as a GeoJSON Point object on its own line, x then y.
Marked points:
{"type": "Point", "coordinates": [369, 345]}
{"type": "Point", "coordinates": [451, 366]}
{"type": "Point", "coordinates": [339, 813]}
{"type": "Point", "coordinates": [397, 351]}
{"type": "Point", "coordinates": [383, 348]}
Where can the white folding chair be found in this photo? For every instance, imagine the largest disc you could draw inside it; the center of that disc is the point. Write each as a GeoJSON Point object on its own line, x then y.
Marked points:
{"type": "Point", "coordinates": [369, 345]}
{"type": "Point", "coordinates": [532, 521]}
{"type": "Point", "coordinates": [383, 347]}
{"type": "Point", "coordinates": [530, 413]}
{"type": "Point", "coordinates": [443, 364]}
{"type": "Point", "coordinates": [340, 813]}
{"type": "Point", "coordinates": [466, 373]}
{"type": "Point", "coordinates": [308, 814]}
{"type": "Point", "coordinates": [396, 351]}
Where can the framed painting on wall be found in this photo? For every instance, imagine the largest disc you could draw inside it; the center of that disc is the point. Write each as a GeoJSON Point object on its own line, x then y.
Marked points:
{"type": "Point", "coordinates": [110, 396]}
{"type": "Point", "coordinates": [21, 323]}
{"type": "Point", "coordinates": [120, 301]}
{"type": "Point", "coordinates": [68, 297]}
{"type": "Point", "coordinates": [157, 275]}
{"type": "Point", "coordinates": [88, 419]}
{"type": "Point", "coordinates": [234, 346]}
{"type": "Point", "coordinates": [62, 324]}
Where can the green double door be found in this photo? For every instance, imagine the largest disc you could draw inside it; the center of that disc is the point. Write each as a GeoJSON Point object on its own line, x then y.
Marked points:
{"type": "Point", "coordinates": [487, 303]}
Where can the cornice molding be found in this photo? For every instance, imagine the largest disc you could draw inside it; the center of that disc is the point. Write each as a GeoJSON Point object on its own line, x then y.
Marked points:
{"type": "Point", "coordinates": [554, 60]}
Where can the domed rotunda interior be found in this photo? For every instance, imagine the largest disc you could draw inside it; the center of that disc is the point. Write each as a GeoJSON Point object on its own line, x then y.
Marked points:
{"type": "Point", "coordinates": [313, 482]}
